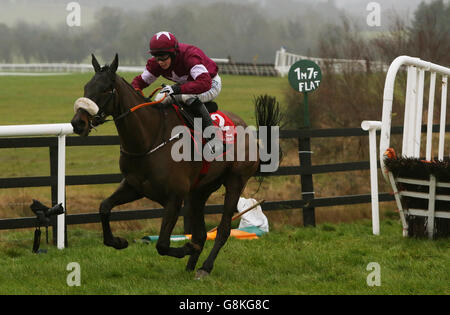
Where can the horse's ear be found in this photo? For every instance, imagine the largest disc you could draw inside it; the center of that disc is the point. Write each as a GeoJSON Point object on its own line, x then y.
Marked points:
{"type": "Point", "coordinates": [95, 64]}
{"type": "Point", "coordinates": [115, 64]}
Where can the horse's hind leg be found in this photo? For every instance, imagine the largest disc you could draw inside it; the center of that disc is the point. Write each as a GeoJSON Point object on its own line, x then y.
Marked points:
{"type": "Point", "coordinates": [124, 194]}
{"type": "Point", "coordinates": [234, 186]}
{"type": "Point", "coordinates": [195, 211]}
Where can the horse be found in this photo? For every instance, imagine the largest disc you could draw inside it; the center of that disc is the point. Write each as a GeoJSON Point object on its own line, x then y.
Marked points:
{"type": "Point", "coordinates": [154, 174]}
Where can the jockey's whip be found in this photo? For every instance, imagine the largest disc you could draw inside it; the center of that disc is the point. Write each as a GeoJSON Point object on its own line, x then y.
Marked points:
{"type": "Point", "coordinates": [242, 213]}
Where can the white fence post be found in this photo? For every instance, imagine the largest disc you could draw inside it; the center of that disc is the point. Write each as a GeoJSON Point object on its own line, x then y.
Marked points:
{"type": "Point", "coordinates": [372, 127]}
{"type": "Point", "coordinates": [60, 130]}
{"type": "Point", "coordinates": [61, 190]}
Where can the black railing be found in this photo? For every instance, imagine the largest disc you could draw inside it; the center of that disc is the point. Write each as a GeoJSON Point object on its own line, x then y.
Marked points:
{"type": "Point", "coordinates": [307, 204]}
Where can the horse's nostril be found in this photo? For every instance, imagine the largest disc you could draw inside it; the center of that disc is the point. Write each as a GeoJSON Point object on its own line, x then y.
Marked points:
{"type": "Point", "coordinates": [78, 125]}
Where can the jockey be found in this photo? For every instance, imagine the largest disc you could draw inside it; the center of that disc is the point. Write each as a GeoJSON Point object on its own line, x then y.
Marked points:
{"type": "Point", "coordinates": [194, 73]}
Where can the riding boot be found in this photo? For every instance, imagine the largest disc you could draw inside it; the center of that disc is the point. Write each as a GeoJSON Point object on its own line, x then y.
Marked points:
{"type": "Point", "coordinates": [199, 109]}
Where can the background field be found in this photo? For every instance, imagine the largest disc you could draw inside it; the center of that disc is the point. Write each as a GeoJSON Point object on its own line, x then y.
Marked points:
{"type": "Point", "coordinates": [330, 259]}
{"type": "Point", "coordinates": [49, 99]}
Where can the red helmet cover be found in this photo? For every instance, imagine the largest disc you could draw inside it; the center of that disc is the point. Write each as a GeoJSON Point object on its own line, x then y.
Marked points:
{"type": "Point", "coordinates": [163, 42]}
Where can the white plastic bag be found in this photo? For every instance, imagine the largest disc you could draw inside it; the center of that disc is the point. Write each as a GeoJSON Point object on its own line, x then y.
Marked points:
{"type": "Point", "coordinates": [254, 217]}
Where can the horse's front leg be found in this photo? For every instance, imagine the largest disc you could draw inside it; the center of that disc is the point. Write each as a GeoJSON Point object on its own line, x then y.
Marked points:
{"type": "Point", "coordinates": [125, 193]}
{"type": "Point", "coordinates": [170, 218]}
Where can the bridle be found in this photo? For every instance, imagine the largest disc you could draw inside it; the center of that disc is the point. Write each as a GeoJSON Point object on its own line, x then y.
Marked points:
{"type": "Point", "coordinates": [100, 118]}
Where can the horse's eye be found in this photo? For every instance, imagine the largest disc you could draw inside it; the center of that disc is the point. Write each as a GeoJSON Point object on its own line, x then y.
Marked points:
{"type": "Point", "coordinates": [107, 92]}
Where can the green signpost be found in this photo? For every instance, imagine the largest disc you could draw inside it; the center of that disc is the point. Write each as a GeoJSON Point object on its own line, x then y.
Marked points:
{"type": "Point", "coordinates": [304, 77]}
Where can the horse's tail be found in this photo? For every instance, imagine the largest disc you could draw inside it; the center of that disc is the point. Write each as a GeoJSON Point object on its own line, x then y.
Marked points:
{"type": "Point", "coordinates": [268, 115]}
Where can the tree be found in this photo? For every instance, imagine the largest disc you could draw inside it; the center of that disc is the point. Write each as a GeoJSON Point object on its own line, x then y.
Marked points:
{"type": "Point", "coordinates": [25, 40]}
{"type": "Point", "coordinates": [5, 44]}
{"type": "Point", "coordinates": [430, 32]}
{"type": "Point", "coordinates": [428, 36]}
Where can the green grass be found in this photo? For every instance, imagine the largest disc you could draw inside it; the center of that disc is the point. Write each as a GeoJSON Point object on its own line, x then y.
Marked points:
{"type": "Point", "coordinates": [329, 259]}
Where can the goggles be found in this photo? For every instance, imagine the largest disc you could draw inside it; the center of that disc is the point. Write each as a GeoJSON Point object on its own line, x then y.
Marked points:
{"type": "Point", "coordinates": [162, 57]}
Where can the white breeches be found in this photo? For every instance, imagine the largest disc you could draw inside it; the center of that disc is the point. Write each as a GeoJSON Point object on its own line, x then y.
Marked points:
{"type": "Point", "coordinates": [207, 96]}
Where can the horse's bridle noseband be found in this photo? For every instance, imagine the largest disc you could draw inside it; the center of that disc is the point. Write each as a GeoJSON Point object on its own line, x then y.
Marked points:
{"type": "Point", "coordinates": [100, 117]}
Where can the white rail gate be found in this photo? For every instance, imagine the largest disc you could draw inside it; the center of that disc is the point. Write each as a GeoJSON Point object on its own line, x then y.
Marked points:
{"type": "Point", "coordinates": [60, 130]}
{"type": "Point", "coordinates": [284, 60]}
{"type": "Point", "coordinates": [412, 129]}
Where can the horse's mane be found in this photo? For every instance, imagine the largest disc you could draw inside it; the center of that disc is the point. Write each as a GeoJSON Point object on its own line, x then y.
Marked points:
{"type": "Point", "coordinates": [127, 83]}
{"type": "Point", "coordinates": [130, 87]}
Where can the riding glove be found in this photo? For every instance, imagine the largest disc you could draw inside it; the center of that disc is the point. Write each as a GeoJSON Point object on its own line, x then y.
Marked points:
{"type": "Point", "coordinates": [171, 89]}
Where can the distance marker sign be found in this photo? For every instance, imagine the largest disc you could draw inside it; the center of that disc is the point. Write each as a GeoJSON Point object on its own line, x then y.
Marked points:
{"type": "Point", "coordinates": [305, 76]}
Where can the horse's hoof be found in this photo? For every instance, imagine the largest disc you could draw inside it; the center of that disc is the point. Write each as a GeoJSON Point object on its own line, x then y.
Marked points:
{"type": "Point", "coordinates": [201, 274]}
{"type": "Point", "coordinates": [117, 243]}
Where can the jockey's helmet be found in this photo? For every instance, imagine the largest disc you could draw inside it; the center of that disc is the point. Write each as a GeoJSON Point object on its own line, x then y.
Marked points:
{"type": "Point", "coordinates": [163, 43]}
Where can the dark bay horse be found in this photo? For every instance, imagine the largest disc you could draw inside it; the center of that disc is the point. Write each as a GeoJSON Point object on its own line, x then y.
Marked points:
{"type": "Point", "coordinates": [157, 176]}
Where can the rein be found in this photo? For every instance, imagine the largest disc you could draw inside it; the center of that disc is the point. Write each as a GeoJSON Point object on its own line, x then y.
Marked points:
{"type": "Point", "coordinates": [133, 109]}
{"type": "Point", "coordinates": [138, 155]}
{"type": "Point", "coordinates": [130, 110]}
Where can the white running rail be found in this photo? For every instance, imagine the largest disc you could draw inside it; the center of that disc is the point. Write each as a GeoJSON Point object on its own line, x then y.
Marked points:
{"type": "Point", "coordinates": [70, 67]}
{"type": "Point", "coordinates": [60, 130]}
